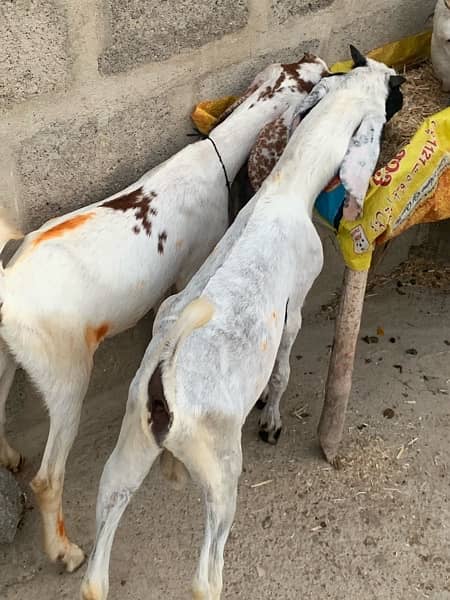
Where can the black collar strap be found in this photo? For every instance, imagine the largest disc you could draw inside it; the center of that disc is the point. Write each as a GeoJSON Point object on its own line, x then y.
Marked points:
{"type": "Point", "coordinates": [227, 181]}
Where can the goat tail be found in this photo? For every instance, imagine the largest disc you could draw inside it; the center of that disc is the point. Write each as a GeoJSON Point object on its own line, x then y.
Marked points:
{"type": "Point", "coordinates": [161, 387]}
{"type": "Point", "coordinates": [196, 314]}
{"type": "Point", "coordinates": [7, 231]}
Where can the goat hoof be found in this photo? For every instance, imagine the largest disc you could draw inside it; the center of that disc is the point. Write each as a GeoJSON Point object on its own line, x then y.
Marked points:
{"type": "Point", "coordinates": [12, 460]}
{"type": "Point", "coordinates": [74, 558]}
{"type": "Point", "coordinates": [270, 437]}
{"type": "Point", "coordinates": [261, 403]}
{"type": "Point", "coordinates": [91, 591]}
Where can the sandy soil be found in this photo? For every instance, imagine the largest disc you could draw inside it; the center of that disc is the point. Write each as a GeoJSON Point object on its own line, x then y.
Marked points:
{"type": "Point", "coordinates": [378, 528]}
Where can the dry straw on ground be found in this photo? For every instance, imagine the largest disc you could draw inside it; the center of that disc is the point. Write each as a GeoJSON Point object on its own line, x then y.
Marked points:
{"type": "Point", "coordinates": [423, 98]}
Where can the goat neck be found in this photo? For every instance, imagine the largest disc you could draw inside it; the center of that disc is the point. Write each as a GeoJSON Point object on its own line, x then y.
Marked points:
{"type": "Point", "coordinates": [237, 135]}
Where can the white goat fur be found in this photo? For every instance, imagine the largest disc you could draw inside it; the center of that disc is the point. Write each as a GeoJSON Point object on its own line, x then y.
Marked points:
{"type": "Point", "coordinates": [440, 43]}
{"type": "Point", "coordinates": [98, 270]}
{"type": "Point", "coordinates": [229, 333]}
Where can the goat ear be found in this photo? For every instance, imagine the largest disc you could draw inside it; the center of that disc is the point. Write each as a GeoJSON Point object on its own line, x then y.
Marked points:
{"type": "Point", "coordinates": [267, 150]}
{"type": "Point", "coordinates": [395, 81]}
{"type": "Point", "coordinates": [359, 163]}
{"type": "Point", "coordinates": [359, 59]}
{"type": "Point", "coordinates": [394, 102]}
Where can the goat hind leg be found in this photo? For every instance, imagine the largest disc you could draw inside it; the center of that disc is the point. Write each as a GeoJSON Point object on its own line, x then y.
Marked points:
{"type": "Point", "coordinates": [270, 420]}
{"type": "Point", "coordinates": [262, 400]}
{"type": "Point", "coordinates": [125, 470]}
{"type": "Point", "coordinates": [214, 461]}
{"type": "Point", "coordinates": [9, 457]}
{"type": "Point", "coordinates": [64, 400]}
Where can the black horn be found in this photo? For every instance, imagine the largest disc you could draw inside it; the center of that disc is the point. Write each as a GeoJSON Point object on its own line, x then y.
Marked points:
{"type": "Point", "coordinates": [358, 58]}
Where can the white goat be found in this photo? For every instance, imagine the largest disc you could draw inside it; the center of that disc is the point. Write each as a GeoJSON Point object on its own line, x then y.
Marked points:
{"type": "Point", "coordinates": [97, 271]}
{"type": "Point", "coordinates": [219, 342]}
{"type": "Point", "coordinates": [440, 43]}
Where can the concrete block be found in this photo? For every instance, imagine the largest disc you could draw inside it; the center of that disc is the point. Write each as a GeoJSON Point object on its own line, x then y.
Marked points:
{"type": "Point", "coordinates": [154, 30]}
{"type": "Point", "coordinates": [33, 49]}
{"type": "Point", "coordinates": [11, 506]}
{"type": "Point", "coordinates": [377, 26]}
{"type": "Point", "coordinates": [234, 79]}
{"type": "Point", "coordinates": [72, 163]}
{"type": "Point", "coordinates": [283, 10]}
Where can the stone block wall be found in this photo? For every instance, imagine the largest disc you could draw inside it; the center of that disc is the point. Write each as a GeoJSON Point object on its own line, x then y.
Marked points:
{"type": "Point", "coordinates": [94, 92]}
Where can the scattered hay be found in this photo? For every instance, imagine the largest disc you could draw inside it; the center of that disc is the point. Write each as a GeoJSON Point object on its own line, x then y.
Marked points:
{"type": "Point", "coordinates": [423, 98]}
{"type": "Point", "coordinates": [416, 271]}
{"type": "Point", "coordinates": [368, 460]}
{"type": "Point", "coordinates": [368, 467]}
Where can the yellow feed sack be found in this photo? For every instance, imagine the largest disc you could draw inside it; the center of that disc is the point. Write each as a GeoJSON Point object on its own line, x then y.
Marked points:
{"type": "Point", "coordinates": [406, 52]}
{"type": "Point", "coordinates": [413, 188]}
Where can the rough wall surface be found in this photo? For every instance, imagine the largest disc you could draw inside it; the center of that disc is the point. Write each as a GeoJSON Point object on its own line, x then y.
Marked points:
{"type": "Point", "coordinates": [152, 31]}
{"type": "Point", "coordinates": [34, 53]}
{"type": "Point", "coordinates": [94, 92]}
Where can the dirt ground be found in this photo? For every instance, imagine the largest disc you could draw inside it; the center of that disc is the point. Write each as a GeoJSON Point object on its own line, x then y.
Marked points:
{"type": "Point", "coordinates": [378, 528]}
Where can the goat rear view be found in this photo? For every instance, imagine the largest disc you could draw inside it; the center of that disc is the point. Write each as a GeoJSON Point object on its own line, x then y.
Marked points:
{"type": "Point", "coordinates": [227, 337]}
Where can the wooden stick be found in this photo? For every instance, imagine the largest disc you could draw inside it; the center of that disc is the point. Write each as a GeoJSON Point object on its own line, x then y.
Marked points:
{"type": "Point", "coordinates": [340, 371]}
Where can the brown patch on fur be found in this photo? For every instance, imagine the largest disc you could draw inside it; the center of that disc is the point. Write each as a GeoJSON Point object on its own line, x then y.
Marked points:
{"type": "Point", "coordinates": [178, 245]}
{"type": "Point", "coordinates": [308, 58]}
{"type": "Point", "coordinates": [264, 345]}
{"type": "Point", "coordinates": [162, 238]}
{"type": "Point", "coordinates": [138, 202]}
{"type": "Point", "coordinates": [61, 530]}
{"type": "Point", "coordinates": [94, 335]}
{"type": "Point", "coordinates": [62, 228]}
{"type": "Point", "coordinates": [267, 151]}
{"type": "Point", "coordinates": [291, 70]}
{"type": "Point", "coordinates": [270, 91]}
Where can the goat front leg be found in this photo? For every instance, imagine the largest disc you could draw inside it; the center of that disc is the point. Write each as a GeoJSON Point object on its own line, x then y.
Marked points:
{"type": "Point", "coordinates": [270, 420]}
{"type": "Point", "coordinates": [64, 399]}
{"type": "Point", "coordinates": [125, 470]}
{"type": "Point", "coordinates": [9, 457]}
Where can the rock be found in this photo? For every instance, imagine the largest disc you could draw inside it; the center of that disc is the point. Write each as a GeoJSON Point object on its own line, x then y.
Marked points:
{"type": "Point", "coordinates": [11, 506]}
